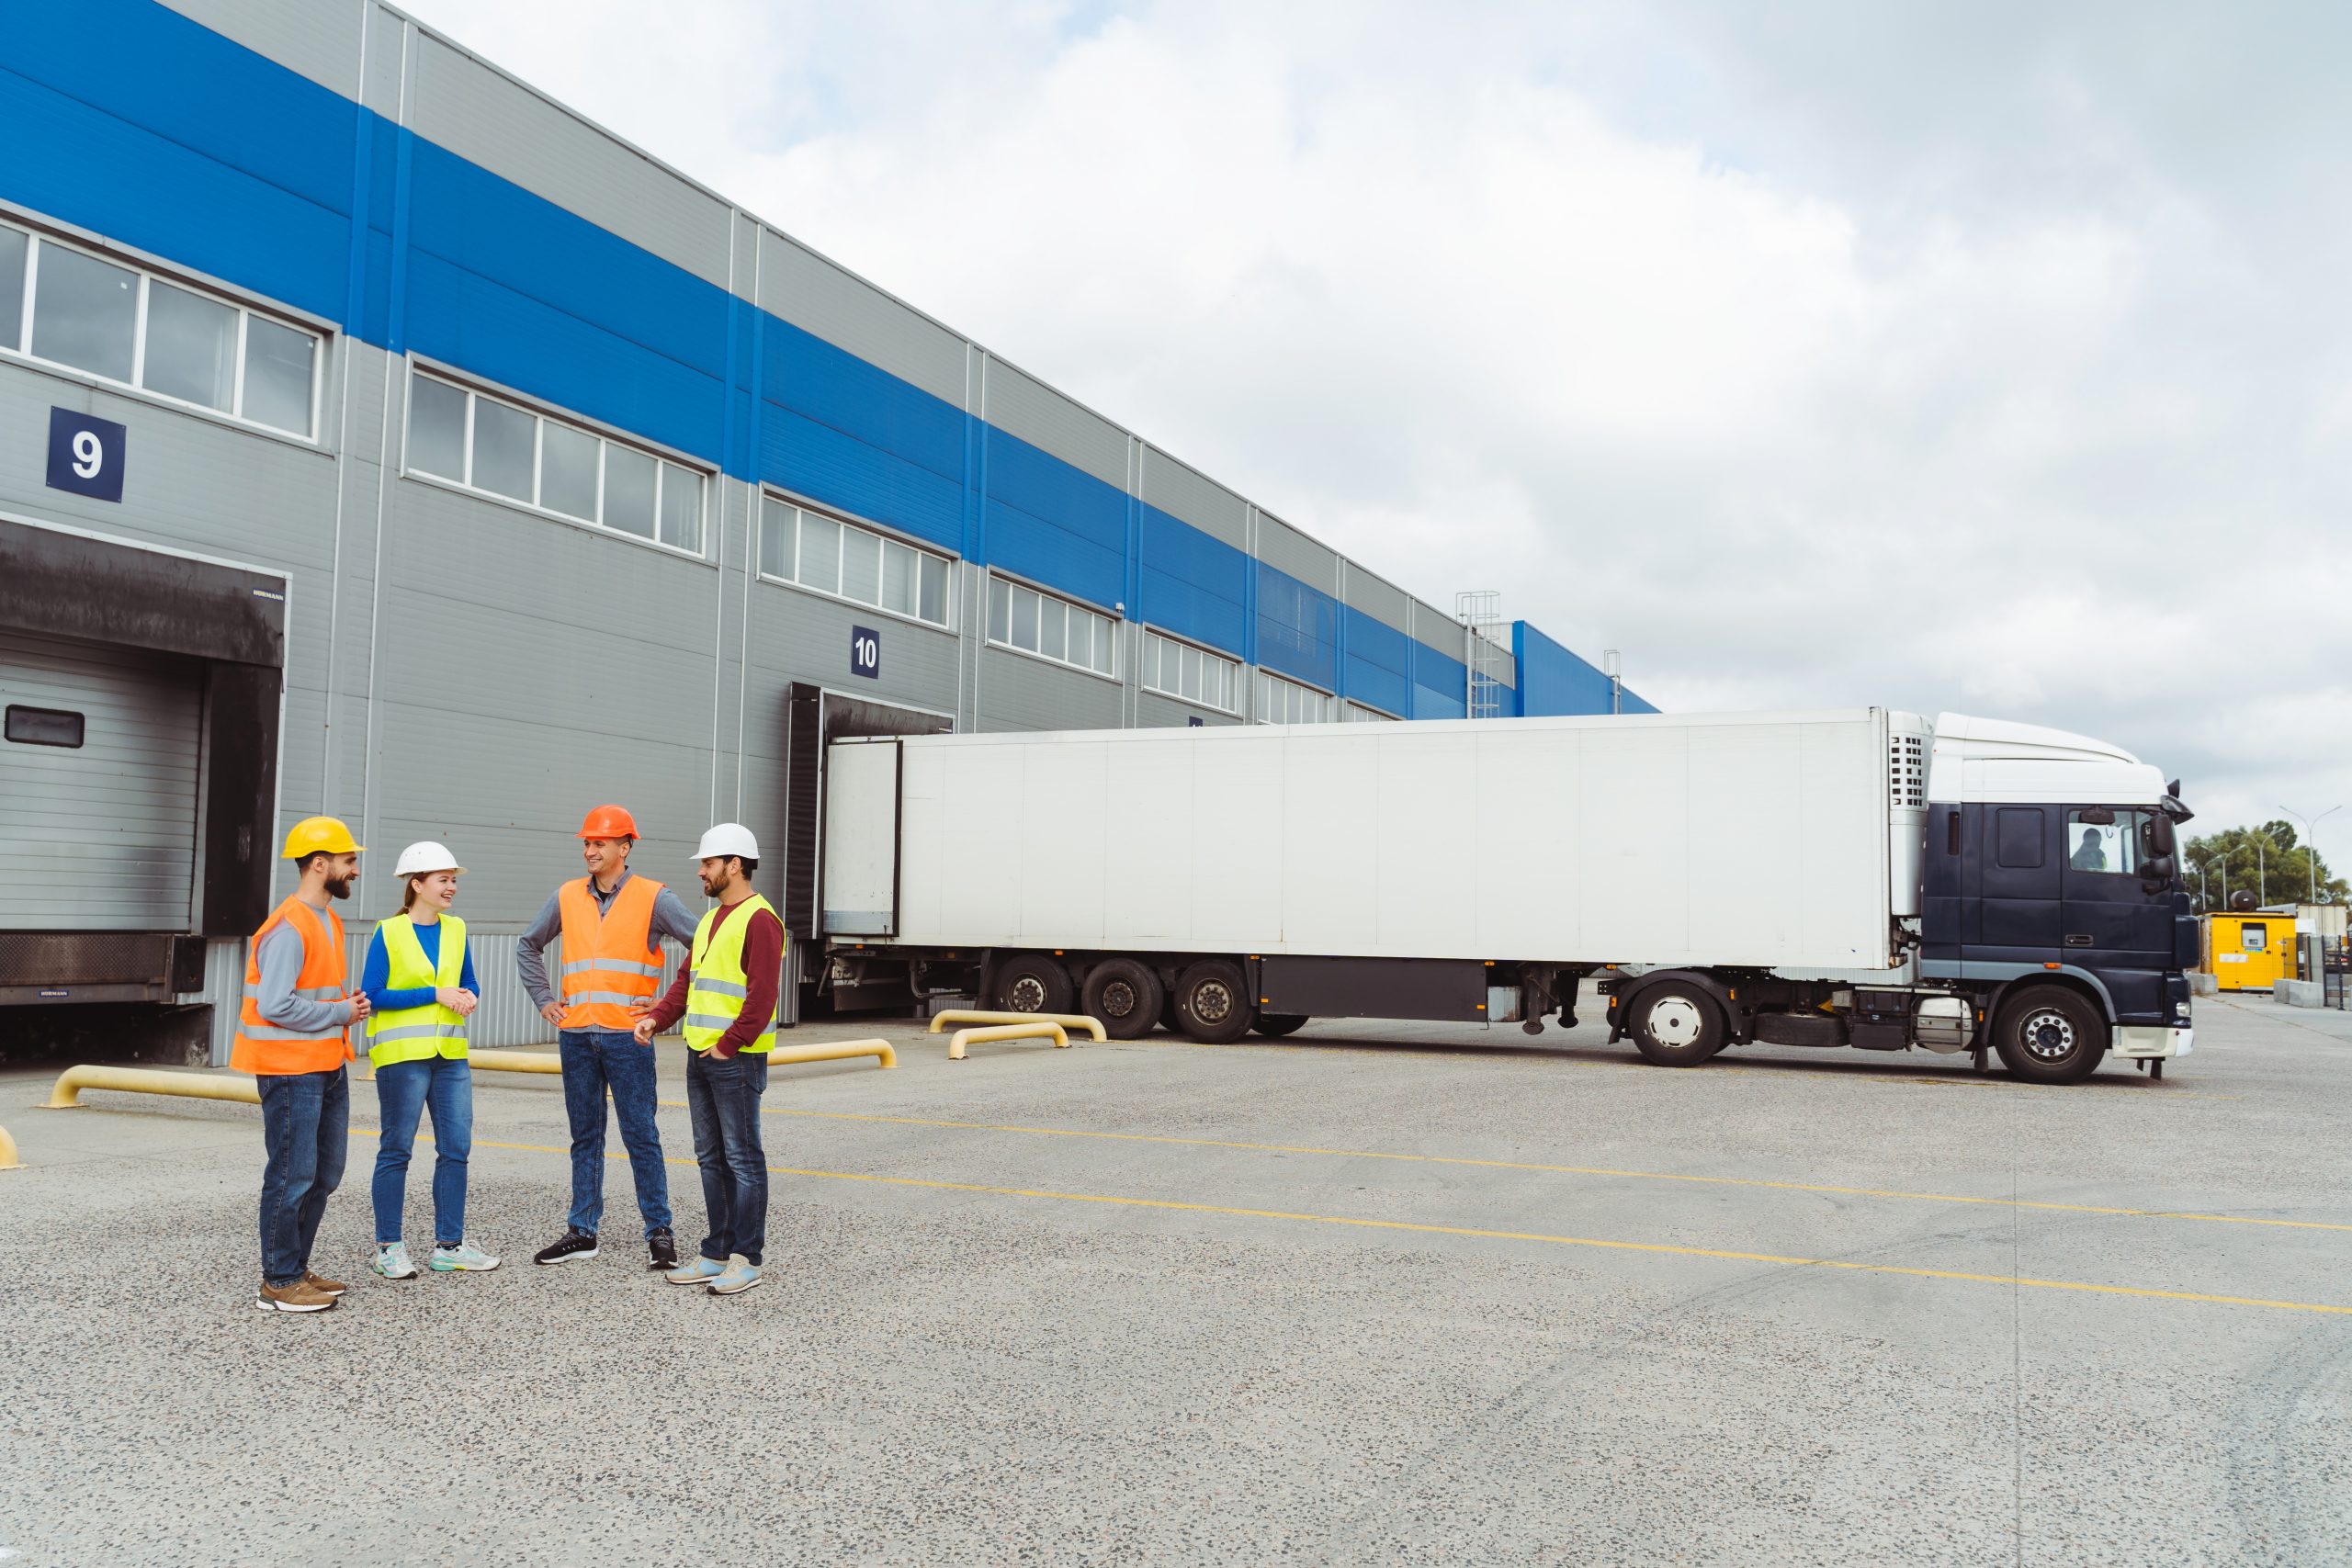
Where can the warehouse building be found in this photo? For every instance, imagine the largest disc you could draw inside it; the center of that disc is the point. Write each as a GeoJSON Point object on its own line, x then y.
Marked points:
{"type": "Point", "coordinates": [385, 440]}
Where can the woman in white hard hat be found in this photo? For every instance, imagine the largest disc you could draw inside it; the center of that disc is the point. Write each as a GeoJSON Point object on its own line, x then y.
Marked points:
{"type": "Point", "coordinates": [421, 989]}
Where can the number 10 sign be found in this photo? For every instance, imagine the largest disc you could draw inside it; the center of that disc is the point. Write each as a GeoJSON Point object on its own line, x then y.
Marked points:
{"type": "Point", "coordinates": [864, 652]}
{"type": "Point", "coordinates": [85, 454]}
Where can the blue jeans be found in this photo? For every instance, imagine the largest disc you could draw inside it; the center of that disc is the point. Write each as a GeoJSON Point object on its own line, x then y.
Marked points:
{"type": "Point", "coordinates": [403, 1092]}
{"type": "Point", "coordinates": [306, 1121]}
{"type": "Point", "coordinates": [593, 1058]}
{"type": "Point", "coordinates": [723, 1096]}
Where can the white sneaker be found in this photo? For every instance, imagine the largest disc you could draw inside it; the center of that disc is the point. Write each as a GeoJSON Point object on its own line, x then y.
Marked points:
{"type": "Point", "coordinates": [393, 1261]}
{"type": "Point", "coordinates": [740, 1275]}
{"type": "Point", "coordinates": [465, 1255]}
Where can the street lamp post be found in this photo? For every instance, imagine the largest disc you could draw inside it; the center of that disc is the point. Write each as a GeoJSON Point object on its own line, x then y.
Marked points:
{"type": "Point", "coordinates": [2311, 841]}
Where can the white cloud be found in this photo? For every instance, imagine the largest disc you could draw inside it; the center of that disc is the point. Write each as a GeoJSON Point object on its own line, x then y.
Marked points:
{"type": "Point", "coordinates": [1959, 364]}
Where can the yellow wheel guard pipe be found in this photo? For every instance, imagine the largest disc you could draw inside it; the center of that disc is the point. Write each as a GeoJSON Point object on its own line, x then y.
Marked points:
{"type": "Point", "coordinates": [960, 1016]}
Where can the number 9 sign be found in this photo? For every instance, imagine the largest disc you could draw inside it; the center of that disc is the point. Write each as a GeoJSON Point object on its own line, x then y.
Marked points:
{"type": "Point", "coordinates": [85, 454]}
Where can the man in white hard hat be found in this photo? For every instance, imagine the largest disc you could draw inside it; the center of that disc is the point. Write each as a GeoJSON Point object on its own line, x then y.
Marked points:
{"type": "Point", "coordinates": [727, 997]}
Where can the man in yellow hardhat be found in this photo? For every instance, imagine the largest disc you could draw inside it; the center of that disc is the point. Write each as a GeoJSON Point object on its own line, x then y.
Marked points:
{"type": "Point", "coordinates": [294, 1036]}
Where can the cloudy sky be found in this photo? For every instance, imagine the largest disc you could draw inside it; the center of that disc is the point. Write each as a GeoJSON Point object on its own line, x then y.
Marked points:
{"type": "Point", "coordinates": [1988, 357]}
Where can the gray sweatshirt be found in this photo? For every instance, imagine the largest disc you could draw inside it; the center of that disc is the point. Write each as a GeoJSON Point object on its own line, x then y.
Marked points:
{"type": "Point", "coordinates": [670, 920]}
{"type": "Point", "coordinates": [279, 959]}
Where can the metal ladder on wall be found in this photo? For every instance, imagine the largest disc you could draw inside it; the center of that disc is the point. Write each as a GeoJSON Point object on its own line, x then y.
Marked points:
{"type": "Point", "coordinates": [1481, 610]}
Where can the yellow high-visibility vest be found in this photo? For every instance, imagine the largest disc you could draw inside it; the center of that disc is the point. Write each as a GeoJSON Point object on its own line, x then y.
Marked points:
{"type": "Point", "coordinates": [716, 994]}
{"type": "Point", "coordinates": [412, 1034]}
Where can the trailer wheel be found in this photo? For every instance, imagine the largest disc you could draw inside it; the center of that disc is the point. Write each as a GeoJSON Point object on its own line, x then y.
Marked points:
{"type": "Point", "coordinates": [1032, 983]}
{"type": "Point", "coordinates": [1124, 996]}
{"type": "Point", "coordinates": [1274, 1025]}
{"type": "Point", "coordinates": [1213, 1003]}
{"type": "Point", "coordinates": [1676, 1025]}
{"type": "Point", "coordinates": [2050, 1034]}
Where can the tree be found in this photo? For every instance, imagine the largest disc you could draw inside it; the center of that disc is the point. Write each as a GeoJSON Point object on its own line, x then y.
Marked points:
{"type": "Point", "coordinates": [2265, 861]}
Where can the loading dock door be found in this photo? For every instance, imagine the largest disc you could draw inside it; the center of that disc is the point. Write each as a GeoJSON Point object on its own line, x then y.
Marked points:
{"type": "Point", "coordinates": [100, 781]}
{"type": "Point", "coordinates": [861, 837]}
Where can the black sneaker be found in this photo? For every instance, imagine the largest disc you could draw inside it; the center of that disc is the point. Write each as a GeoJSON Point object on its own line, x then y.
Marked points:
{"type": "Point", "coordinates": [574, 1244]}
{"type": "Point", "coordinates": [660, 1250]}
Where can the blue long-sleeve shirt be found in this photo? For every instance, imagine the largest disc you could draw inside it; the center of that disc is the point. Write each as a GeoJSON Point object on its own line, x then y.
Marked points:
{"type": "Point", "coordinates": [374, 977]}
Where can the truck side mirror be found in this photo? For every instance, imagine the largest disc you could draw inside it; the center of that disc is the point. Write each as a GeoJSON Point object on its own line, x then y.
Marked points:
{"type": "Point", "coordinates": [2160, 834]}
{"type": "Point", "coordinates": [2158, 868]}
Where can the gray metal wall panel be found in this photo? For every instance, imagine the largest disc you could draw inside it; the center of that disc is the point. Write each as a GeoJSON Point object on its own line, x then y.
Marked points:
{"type": "Point", "coordinates": [1023, 406]}
{"type": "Point", "coordinates": [799, 636]}
{"type": "Point", "coordinates": [318, 37]}
{"type": "Point", "coordinates": [494, 121]}
{"type": "Point", "coordinates": [99, 835]}
{"type": "Point", "coordinates": [1432, 627]}
{"type": "Point", "coordinates": [1018, 692]}
{"type": "Point", "coordinates": [1381, 601]}
{"type": "Point", "coordinates": [387, 49]}
{"type": "Point", "coordinates": [1155, 712]}
{"type": "Point", "coordinates": [1186, 494]}
{"type": "Point", "coordinates": [823, 297]}
{"type": "Point", "coordinates": [1285, 549]}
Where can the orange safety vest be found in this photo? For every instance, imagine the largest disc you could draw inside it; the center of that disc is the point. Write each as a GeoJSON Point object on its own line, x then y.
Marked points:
{"type": "Point", "coordinates": [609, 961]}
{"type": "Point", "coordinates": [263, 1047]}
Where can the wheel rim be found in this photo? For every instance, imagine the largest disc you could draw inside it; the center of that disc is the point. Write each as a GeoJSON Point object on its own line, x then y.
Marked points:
{"type": "Point", "coordinates": [1212, 1002]}
{"type": "Point", "coordinates": [1118, 999]}
{"type": "Point", "coordinates": [1027, 994]}
{"type": "Point", "coordinates": [1675, 1020]}
{"type": "Point", "coordinates": [2048, 1035]}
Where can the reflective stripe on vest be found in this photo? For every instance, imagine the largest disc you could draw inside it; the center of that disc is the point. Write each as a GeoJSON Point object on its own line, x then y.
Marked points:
{"type": "Point", "coordinates": [413, 1034]}
{"type": "Point", "coordinates": [261, 1047]}
{"type": "Point", "coordinates": [609, 961]}
{"type": "Point", "coordinates": [716, 992]}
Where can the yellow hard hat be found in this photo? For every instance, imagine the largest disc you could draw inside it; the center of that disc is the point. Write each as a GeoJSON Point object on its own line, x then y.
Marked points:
{"type": "Point", "coordinates": [319, 835]}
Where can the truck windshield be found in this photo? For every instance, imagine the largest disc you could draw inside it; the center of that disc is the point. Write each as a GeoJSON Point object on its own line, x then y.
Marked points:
{"type": "Point", "coordinates": [2116, 845]}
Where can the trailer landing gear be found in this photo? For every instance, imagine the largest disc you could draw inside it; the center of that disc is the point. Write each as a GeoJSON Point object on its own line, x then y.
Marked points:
{"type": "Point", "coordinates": [2153, 1066]}
{"type": "Point", "coordinates": [1979, 1056]}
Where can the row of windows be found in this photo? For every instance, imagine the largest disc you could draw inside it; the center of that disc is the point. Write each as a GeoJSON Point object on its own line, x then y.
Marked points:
{"type": "Point", "coordinates": [68, 307]}
{"type": "Point", "coordinates": [477, 441]}
{"type": "Point", "coordinates": [1287, 702]}
{"type": "Point", "coordinates": [1180, 669]}
{"type": "Point", "coordinates": [817, 551]}
{"type": "Point", "coordinates": [1049, 627]}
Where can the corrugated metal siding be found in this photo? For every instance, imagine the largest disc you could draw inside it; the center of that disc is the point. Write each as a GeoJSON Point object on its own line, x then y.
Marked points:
{"type": "Point", "coordinates": [1294, 555]}
{"type": "Point", "coordinates": [317, 38]}
{"type": "Point", "coordinates": [1192, 584]}
{"type": "Point", "coordinates": [100, 836]}
{"type": "Point", "coordinates": [491, 121]}
{"type": "Point", "coordinates": [1382, 601]}
{"type": "Point", "coordinates": [853, 436]}
{"type": "Point", "coordinates": [1154, 711]}
{"type": "Point", "coordinates": [1052, 524]}
{"type": "Point", "coordinates": [1021, 692]}
{"type": "Point", "coordinates": [1022, 405]}
{"type": "Point", "coordinates": [812, 293]}
{"type": "Point", "coordinates": [1190, 497]}
{"type": "Point", "coordinates": [386, 61]}
{"type": "Point", "coordinates": [1297, 629]}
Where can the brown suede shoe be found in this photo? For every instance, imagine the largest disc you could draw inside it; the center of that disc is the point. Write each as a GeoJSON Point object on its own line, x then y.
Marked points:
{"type": "Point", "coordinates": [322, 1283]}
{"type": "Point", "coordinates": [299, 1296]}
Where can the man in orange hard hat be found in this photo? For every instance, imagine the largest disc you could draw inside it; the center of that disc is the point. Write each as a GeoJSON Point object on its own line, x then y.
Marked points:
{"type": "Point", "coordinates": [611, 922]}
{"type": "Point", "coordinates": [294, 1035]}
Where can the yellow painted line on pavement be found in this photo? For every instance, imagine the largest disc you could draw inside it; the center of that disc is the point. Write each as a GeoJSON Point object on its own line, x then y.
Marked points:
{"type": "Point", "coordinates": [1548, 1169]}
{"type": "Point", "coordinates": [1417, 1228]}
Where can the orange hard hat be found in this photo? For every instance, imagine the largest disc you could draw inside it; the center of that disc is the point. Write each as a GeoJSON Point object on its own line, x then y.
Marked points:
{"type": "Point", "coordinates": [609, 822]}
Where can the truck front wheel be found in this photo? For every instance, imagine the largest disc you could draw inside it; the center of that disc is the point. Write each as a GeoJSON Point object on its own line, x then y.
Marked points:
{"type": "Point", "coordinates": [2050, 1034]}
{"type": "Point", "coordinates": [1677, 1025]}
{"type": "Point", "coordinates": [1213, 1002]}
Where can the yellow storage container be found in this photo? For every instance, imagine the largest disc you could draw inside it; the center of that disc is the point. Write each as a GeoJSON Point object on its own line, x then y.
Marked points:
{"type": "Point", "coordinates": [2246, 952]}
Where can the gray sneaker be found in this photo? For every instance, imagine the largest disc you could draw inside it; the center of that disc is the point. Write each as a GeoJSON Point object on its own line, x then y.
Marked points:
{"type": "Point", "coordinates": [465, 1255]}
{"type": "Point", "coordinates": [740, 1276]}
{"type": "Point", "coordinates": [393, 1261]}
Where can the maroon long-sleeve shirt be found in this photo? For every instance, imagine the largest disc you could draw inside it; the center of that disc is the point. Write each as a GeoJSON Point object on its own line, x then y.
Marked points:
{"type": "Point", "coordinates": [762, 970]}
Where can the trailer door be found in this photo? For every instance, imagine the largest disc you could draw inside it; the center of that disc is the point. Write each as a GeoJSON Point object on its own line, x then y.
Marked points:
{"type": "Point", "coordinates": [861, 837]}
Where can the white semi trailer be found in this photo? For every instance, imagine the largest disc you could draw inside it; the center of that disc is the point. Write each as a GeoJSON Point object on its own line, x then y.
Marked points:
{"type": "Point", "coordinates": [1857, 878]}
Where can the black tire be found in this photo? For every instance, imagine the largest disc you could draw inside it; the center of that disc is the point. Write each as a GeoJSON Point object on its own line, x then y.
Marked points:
{"type": "Point", "coordinates": [1213, 1003]}
{"type": "Point", "coordinates": [2049, 1034]}
{"type": "Point", "coordinates": [1124, 996]}
{"type": "Point", "coordinates": [1676, 1024]}
{"type": "Point", "coordinates": [1274, 1025]}
{"type": "Point", "coordinates": [1032, 983]}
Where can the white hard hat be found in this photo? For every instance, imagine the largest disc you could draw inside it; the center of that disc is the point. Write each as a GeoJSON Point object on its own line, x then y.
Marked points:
{"type": "Point", "coordinates": [418, 859]}
{"type": "Point", "coordinates": [728, 838]}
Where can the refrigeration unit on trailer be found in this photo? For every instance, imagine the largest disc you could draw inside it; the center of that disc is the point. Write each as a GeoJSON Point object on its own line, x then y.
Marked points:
{"type": "Point", "coordinates": [1856, 878]}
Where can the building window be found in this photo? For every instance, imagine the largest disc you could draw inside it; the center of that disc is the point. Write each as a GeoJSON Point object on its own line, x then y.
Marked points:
{"type": "Point", "coordinates": [840, 559]}
{"type": "Point", "coordinates": [124, 324]}
{"type": "Point", "coordinates": [1049, 627]}
{"type": "Point", "coordinates": [477, 441]}
{"type": "Point", "coordinates": [1356, 712]}
{"type": "Point", "coordinates": [1287, 702]}
{"type": "Point", "coordinates": [1178, 669]}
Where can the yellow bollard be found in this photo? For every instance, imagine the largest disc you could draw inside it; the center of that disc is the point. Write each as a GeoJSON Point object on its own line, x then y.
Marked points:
{"type": "Point", "coordinates": [1067, 1019]}
{"type": "Point", "coordinates": [835, 1051]}
{"type": "Point", "coordinates": [9, 1160]}
{"type": "Point", "coordinates": [1036, 1028]}
{"type": "Point", "coordinates": [149, 1080]}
